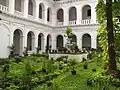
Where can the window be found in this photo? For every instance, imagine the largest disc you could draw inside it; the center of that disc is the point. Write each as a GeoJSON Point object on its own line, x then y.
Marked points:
{"type": "Point", "coordinates": [89, 12]}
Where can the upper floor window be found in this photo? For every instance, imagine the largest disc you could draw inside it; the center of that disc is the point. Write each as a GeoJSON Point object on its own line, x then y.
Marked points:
{"type": "Point", "coordinates": [86, 12]}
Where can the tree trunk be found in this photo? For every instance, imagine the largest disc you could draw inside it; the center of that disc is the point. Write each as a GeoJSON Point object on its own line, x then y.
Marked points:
{"type": "Point", "coordinates": [111, 47]}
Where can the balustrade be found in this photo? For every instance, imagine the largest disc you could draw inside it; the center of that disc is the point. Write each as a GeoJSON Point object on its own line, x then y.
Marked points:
{"type": "Point", "coordinates": [18, 13]}
{"type": "Point", "coordinates": [3, 8]}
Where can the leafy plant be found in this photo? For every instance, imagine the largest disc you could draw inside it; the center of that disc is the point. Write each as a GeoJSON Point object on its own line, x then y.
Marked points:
{"type": "Point", "coordinates": [12, 51]}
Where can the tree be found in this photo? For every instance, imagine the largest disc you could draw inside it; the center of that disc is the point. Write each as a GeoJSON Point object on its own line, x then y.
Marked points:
{"type": "Point", "coordinates": [111, 48]}
{"type": "Point", "coordinates": [106, 12]}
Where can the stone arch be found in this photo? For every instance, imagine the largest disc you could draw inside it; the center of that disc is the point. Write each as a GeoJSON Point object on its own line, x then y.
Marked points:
{"type": "Point", "coordinates": [18, 41]}
{"type": "Point", "coordinates": [86, 41]}
{"type": "Point", "coordinates": [4, 33]}
{"type": "Point", "coordinates": [86, 12]}
{"type": "Point", "coordinates": [41, 41]}
{"type": "Point", "coordinates": [30, 40]}
{"type": "Point", "coordinates": [41, 10]}
{"type": "Point", "coordinates": [60, 15]}
{"type": "Point", "coordinates": [72, 13]}
{"type": "Point", "coordinates": [59, 41]}
{"type": "Point", "coordinates": [49, 14]}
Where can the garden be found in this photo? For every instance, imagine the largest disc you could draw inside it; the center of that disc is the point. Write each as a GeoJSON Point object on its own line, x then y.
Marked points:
{"type": "Point", "coordinates": [36, 72]}
{"type": "Point", "coordinates": [100, 71]}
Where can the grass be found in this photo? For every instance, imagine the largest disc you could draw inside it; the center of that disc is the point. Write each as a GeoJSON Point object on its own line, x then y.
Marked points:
{"type": "Point", "coordinates": [79, 81]}
{"type": "Point", "coordinates": [65, 81]}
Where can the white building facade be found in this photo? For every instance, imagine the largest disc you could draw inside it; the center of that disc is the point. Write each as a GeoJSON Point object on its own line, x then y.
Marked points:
{"type": "Point", "coordinates": [41, 23]}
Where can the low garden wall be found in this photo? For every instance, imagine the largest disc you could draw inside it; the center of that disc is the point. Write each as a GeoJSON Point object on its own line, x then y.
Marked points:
{"type": "Point", "coordinates": [77, 57]}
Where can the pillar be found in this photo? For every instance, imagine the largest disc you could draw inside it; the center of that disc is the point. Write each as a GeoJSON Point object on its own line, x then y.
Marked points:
{"type": "Point", "coordinates": [93, 14]}
{"type": "Point", "coordinates": [25, 5]}
{"type": "Point", "coordinates": [36, 11]}
{"type": "Point", "coordinates": [94, 42]}
{"type": "Point", "coordinates": [66, 16]}
{"type": "Point", "coordinates": [45, 15]}
{"type": "Point", "coordinates": [79, 41]}
{"type": "Point", "coordinates": [79, 14]}
{"type": "Point", "coordinates": [54, 18]}
{"type": "Point", "coordinates": [45, 43]}
{"type": "Point", "coordinates": [54, 41]}
{"type": "Point", "coordinates": [11, 6]}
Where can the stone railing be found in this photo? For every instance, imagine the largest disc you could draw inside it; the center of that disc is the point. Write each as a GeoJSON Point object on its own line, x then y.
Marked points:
{"type": "Point", "coordinates": [85, 22]}
{"type": "Point", "coordinates": [30, 17]}
{"type": "Point", "coordinates": [82, 22]}
{"type": "Point", "coordinates": [72, 22]}
{"type": "Point", "coordinates": [3, 8]}
{"type": "Point", "coordinates": [60, 23]}
{"type": "Point", "coordinates": [18, 13]}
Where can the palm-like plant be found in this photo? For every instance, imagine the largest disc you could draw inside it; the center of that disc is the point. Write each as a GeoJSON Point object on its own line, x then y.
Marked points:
{"type": "Point", "coordinates": [68, 32]}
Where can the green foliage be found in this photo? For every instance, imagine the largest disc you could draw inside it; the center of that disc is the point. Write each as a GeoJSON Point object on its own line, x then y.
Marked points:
{"type": "Point", "coordinates": [68, 32]}
{"type": "Point", "coordinates": [102, 30]}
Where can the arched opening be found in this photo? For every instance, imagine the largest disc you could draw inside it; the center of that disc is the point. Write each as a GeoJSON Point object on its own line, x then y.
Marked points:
{"type": "Point", "coordinates": [86, 41]}
{"type": "Point", "coordinates": [72, 14]}
{"type": "Point", "coordinates": [30, 41]}
{"type": "Point", "coordinates": [59, 41]}
{"type": "Point", "coordinates": [49, 40]}
{"type": "Point", "coordinates": [41, 11]}
{"type": "Point", "coordinates": [86, 12]}
{"type": "Point", "coordinates": [49, 15]}
{"type": "Point", "coordinates": [60, 15]}
{"type": "Point", "coordinates": [74, 39]}
{"type": "Point", "coordinates": [30, 7]}
{"type": "Point", "coordinates": [18, 5]}
{"type": "Point", "coordinates": [41, 41]}
{"type": "Point", "coordinates": [4, 2]}
{"type": "Point", "coordinates": [18, 41]}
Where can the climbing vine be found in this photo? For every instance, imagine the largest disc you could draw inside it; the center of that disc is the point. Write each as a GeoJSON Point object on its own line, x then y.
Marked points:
{"type": "Point", "coordinates": [102, 29]}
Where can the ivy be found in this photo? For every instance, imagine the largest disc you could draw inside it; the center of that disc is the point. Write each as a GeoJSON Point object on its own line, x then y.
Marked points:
{"type": "Point", "coordinates": [102, 29]}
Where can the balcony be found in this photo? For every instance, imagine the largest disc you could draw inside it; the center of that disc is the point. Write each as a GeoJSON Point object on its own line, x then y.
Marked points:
{"type": "Point", "coordinates": [82, 22]}
{"type": "Point", "coordinates": [3, 8]}
{"type": "Point", "coordinates": [72, 22]}
{"type": "Point", "coordinates": [86, 22]}
{"type": "Point", "coordinates": [18, 13]}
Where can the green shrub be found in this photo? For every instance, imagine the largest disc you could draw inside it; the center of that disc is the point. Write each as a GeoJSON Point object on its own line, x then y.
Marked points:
{"type": "Point", "coordinates": [85, 66]}
{"type": "Point", "coordinates": [72, 62]}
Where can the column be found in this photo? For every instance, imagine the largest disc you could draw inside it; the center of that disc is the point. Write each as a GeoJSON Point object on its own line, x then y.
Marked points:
{"type": "Point", "coordinates": [79, 14]}
{"type": "Point", "coordinates": [33, 44]}
{"type": "Point", "coordinates": [94, 42]}
{"type": "Point", "coordinates": [36, 43]}
{"type": "Point", "coordinates": [66, 16]}
{"type": "Point", "coordinates": [36, 11]}
{"type": "Point", "coordinates": [45, 15]}
{"type": "Point", "coordinates": [21, 45]}
{"type": "Point", "coordinates": [53, 42]}
{"type": "Point", "coordinates": [54, 18]}
{"type": "Point", "coordinates": [79, 41]}
{"type": "Point", "coordinates": [64, 41]}
{"type": "Point", "coordinates": [11, 39]}
{"type": "Point", "coordinates": [25, 11]}
{"type": "Point", "coordinates": [11, 6]}
{"type": "Point", "coordinates": [93, 14]}
{"type": "Point", "coordinates": [45, 43]}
